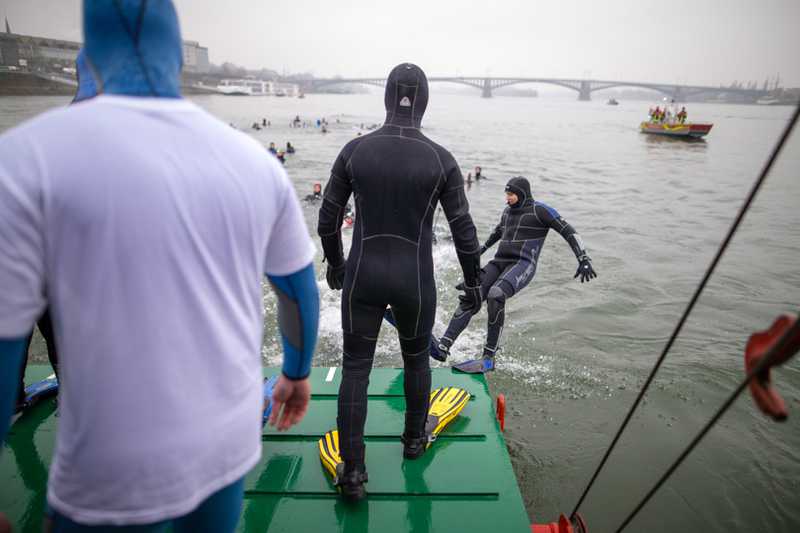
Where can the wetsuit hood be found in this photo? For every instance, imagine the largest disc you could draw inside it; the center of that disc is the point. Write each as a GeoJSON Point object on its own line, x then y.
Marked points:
{"type": "Point", "coordinates": [520, 186]}
{"type": "Point", "coordinates": [406, 96]}
{"type": "Point", "coordinates": [86, 85]}
{"type": "Point", "coordinates": [133, 47]}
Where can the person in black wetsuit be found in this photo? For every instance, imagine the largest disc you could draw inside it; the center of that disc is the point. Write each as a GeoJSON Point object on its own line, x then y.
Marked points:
{"type": "Point", "coordinates": [521, 232]}
{"type": "Point", "coordinates": [397, 176]}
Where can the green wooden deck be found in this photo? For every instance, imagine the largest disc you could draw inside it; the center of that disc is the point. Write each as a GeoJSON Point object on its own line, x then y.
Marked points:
{"type": "Point", "coordinates": [464, 483]}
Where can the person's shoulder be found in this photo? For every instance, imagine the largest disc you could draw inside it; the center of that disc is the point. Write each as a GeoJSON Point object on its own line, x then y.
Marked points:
{"type": "Point", "coordinates": [544, 208]}
{"type": "Point", "coordinates": [443, 154]}
{"type": "Point", "coordinates": [33, 127]}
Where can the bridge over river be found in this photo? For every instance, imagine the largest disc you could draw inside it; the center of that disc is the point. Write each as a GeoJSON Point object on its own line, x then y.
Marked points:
{"type": "Point", "coordinates": [584, 87]}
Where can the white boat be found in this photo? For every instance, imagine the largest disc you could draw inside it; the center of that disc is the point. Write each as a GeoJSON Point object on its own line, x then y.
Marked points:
{"type": "Point", "coordinates": [245, 87]}
{"type": "Point", "coordinates": [768, 100]}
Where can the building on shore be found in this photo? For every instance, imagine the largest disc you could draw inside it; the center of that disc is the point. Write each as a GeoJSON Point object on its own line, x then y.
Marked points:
{"type": "Point", "coordinates": [195, 58]}
{"type": "Point", "coordinates": [26, 52]}
{"type": "Point", "coordinates": [42, 54]}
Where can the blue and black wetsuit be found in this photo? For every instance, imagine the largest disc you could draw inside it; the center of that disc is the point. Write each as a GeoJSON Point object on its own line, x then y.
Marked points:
{"type": "Point", "coordinates": [397, 176]}
{"type": "Point", "coordinates": [521, 232]}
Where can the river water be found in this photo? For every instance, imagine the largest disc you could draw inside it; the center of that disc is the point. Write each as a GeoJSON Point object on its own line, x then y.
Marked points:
{"type": "Point", "coordinates": [652, 212]}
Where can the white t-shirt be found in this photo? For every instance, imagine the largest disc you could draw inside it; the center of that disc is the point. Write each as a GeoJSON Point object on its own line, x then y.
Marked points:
{"type": "Point", "coordinates": [146, 225]}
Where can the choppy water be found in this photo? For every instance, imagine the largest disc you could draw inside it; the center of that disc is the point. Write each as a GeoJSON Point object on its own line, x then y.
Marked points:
{"type": "Point", "coordinates": [652, 212]}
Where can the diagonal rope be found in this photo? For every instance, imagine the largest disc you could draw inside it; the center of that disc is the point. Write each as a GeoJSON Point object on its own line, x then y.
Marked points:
{"type": "Point", "coordinates": [679, 326]}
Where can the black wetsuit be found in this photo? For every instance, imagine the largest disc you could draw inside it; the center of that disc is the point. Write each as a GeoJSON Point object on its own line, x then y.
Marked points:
{"type": "Point", "coordinates": [397, 176]}
{"type": "Point", "coordinates": [521, 232]}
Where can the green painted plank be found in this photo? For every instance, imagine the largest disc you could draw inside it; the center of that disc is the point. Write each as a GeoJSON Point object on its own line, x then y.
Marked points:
{"type": "Point", "coordinates": [294, 467]}
{"type": "Point", "coordinates": [290, 515]}
{"type": "Point", "coordinates": [385, 418]}
{"type": "Point", "coordinates": [387, 381]}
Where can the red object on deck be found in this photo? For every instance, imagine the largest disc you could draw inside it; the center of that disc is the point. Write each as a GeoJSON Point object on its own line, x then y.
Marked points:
{"type": "Point", "coordinates": [562, 526]}
{"type": "Point", "coordinates": [501, 411]}
{"type": "Point", "coordinates": [764, 394]}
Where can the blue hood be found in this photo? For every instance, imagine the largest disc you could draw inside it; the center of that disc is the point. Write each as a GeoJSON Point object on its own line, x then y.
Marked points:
{"type": "Point", "coordinates": [133, 47]}
{"type": "Point", "coordinates": [86, 85]}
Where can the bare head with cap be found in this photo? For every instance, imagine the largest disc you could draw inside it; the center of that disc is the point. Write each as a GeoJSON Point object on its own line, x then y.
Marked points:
{"type": "Point", "coordinates": [406, 96]}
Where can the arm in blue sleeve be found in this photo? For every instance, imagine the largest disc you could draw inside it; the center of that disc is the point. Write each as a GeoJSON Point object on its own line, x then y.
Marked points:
{"type": "Point", "coordinates": [298, 319]}
{"type": "Point", "coordinates": [11, 352]}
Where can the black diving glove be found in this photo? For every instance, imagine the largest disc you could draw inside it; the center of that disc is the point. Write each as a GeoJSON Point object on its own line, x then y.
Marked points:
{"type": "Point", "coordinates": [585, 270]}
{"type": "Point", "coordinates": [483, 249]}
{"type": "Point", "coordinates": [335, 276]}
{"type": "Point", "coordinates": [471, 299]}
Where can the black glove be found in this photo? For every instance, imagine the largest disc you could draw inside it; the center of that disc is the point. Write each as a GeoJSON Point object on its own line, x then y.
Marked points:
{"type": "Point", "coordinates": [471, 299]}
{"type": "Point", "coordinates": [483, 248]}
{"type": "Point", "coordinates": [463, 284]}
{"type": "Point", "coordinates": [335, 276]}
{"type": "Point", "coordinates": [585, 270]}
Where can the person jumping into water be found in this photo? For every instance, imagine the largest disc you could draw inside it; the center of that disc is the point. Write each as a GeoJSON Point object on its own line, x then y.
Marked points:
{"type": "Point", "coordinates": [397, 176]}
{"type": "Point", "coordinates": [521, 232]}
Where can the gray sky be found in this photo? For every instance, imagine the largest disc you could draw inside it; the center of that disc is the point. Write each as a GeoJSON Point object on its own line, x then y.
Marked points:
{"type": "Point", "coordinates": [685, 41]}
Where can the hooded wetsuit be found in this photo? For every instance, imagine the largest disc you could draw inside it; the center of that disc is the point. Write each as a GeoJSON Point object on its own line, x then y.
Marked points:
{"type": "Point", "coordinates": [521, 232]}
{"type": "Point", "coordinates": [397, 176]}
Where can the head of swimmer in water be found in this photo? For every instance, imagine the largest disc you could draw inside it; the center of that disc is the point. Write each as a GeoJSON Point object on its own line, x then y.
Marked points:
{"type": "Point", "coordinates": [406, 96]}
{"type": "Point", "coordinates": [518, 192]}
{"type": "Point", "coordinates": [133, 47]}
{"type": "Point", "coordinates": [317, 188]}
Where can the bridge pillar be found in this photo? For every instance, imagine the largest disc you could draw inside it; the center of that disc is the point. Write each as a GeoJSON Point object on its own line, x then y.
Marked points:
{"type": "Point", "coordinates": [487, 88]}
{"type": "Point", "coordinates": [585, 93]}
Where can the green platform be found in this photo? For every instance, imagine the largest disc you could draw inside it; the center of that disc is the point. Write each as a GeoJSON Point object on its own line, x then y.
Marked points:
{"type": "Point", "coordinates": [464, 483]}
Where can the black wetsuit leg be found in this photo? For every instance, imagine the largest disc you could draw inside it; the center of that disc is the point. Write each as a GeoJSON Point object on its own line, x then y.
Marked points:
{"type": "Point", "coordinates": [513, 279]}
{"type": "Point", "coordinates": [45, 326]}
{"type": "Point", "coordinates": [366, 293]}
{"type": "Point", "coordinates": [462, 316]}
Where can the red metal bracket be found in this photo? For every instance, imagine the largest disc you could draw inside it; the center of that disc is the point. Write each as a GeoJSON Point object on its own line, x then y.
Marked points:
{"type": "Point", "coordinates": [501, 411]}
{"type": "Point", "coordinates": [764, 394]}
{"type": "Point", "coordinates": [562, 526]}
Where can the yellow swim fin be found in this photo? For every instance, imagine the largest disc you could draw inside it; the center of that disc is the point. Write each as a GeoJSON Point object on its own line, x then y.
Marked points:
{"type": "Point", "coordinates": [329, 453]}
{"type": "Point", "coordinates": [445, 404]}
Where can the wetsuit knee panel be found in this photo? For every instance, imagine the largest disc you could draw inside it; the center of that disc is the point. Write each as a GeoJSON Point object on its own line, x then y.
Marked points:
{"type": "Point", "coordinates": [358, 353]}
{"type": "Point", "coordinates": [416, 347]}
{"type": "Point", "coordinates": [496, 295]}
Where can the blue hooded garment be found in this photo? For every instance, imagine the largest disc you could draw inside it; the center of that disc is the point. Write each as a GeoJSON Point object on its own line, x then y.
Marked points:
{"type": "Point", "coordinates": [86, 85]}
{"type": "Point", "coordinates": [133, 47]}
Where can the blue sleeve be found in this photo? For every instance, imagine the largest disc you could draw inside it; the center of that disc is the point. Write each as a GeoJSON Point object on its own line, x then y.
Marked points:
{"type": "Point", "coordinates": [11, 352]}
{"type": "Point", "coordinates": [298, 319]}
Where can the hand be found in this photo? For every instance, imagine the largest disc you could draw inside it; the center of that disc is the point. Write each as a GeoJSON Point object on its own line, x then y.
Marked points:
{"type": "Point", "coordinates": [585, 270]}
{"type": "Point", "coordinates": [335, 276]}
{"type": "Point", "coordinates": [483, 249]}
{"type": "Point", "coordinates": [471, 299]}
{"type": "Point", "coordinates": [289, 402]}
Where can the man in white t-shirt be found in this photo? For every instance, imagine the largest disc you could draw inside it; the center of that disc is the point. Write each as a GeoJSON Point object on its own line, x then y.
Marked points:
{"type": "Point", "coordinates": [146, 226]}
